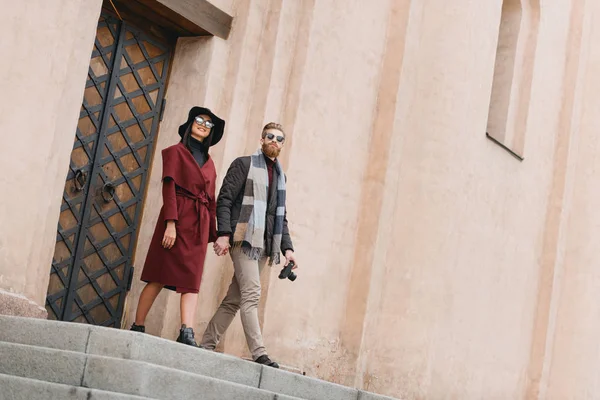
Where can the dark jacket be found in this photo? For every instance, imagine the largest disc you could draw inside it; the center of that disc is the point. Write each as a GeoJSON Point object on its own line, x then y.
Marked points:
{"type": "Point", "coordinates": [229, 204]}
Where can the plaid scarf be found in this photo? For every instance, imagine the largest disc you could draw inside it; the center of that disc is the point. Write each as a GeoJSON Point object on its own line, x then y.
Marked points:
{"type": "Point", "coordinates": [250, 229]}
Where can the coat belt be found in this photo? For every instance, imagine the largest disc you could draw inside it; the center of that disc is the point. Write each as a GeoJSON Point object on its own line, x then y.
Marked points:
{"type": "Point", "coordinates": [201, 198]}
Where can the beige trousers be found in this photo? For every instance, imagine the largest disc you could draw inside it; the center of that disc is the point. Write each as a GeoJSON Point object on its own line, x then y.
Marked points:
{"type": "Point", "coordinates": [244, 295]}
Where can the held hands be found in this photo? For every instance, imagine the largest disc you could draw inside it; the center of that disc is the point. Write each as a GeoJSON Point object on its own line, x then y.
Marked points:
{"type": "Point", "coordinates": [170, 235]}
{"type": "Point", "coordinates": [221, 246]}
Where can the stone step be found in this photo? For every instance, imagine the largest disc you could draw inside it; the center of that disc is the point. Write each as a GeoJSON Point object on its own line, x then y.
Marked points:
{"type": "Point", "coordinates": [122, 344]}
{"type": "Point", "coordinates": [18, 388]}
{"type": "Point", "coordinates": [118, 375]}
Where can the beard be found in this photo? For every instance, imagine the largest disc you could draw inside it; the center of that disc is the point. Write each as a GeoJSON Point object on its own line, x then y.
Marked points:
{"type": "Point", "coordinates": [270, 151]}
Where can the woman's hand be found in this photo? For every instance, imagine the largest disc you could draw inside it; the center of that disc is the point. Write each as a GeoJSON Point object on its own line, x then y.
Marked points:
{"type": "Point", "coordinates": [170, 235]}
{"type": "Point", "coordinates": [221, 246]}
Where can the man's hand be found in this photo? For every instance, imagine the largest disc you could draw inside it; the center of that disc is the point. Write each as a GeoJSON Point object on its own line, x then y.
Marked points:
{"type": "Point", "coordinates": [221, 246]}
{"type": "Point", "coordinates": [170, 235]}
{"type": "Point", "coordinates": [289, 256]}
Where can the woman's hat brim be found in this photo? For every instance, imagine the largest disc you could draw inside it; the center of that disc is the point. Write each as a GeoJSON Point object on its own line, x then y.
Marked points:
{"type": "Point", "coordinates": [217, 130]}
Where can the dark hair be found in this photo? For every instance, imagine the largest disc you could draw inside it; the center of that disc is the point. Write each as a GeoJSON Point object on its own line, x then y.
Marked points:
{"type": "Point", "coordinates": [187, 137]}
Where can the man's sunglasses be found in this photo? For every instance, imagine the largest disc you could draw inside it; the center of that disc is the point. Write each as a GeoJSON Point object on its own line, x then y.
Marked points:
{"type": "Point", "coordinates": [270, 136]}
{"type": "Point", "coordinates": [200, 121]}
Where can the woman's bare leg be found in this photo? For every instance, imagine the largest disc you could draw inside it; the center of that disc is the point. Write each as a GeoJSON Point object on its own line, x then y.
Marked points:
{"type": "Point", "coordinates": [147, 298]}
{"type": "Point", "coordinates": [189, 302]}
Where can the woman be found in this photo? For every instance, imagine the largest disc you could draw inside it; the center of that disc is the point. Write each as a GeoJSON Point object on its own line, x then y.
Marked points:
{"type": "Point", "coordinates": [187, 220]}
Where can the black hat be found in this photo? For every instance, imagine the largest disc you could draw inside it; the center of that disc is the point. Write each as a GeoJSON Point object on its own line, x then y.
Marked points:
{"type": "Point", "coordinates": [217, 130]}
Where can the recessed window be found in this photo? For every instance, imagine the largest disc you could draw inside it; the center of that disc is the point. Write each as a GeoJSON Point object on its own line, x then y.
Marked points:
{"type": "Point", "coordinates": [513, 69]}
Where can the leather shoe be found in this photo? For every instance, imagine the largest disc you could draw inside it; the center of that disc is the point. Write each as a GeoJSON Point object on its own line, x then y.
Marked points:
{"type": "Point", "coordinates": [138, 328]}
{"type": "Point", "coordinates": [186, 336]}
{"type": "Point", "coordinates": [265, 360]}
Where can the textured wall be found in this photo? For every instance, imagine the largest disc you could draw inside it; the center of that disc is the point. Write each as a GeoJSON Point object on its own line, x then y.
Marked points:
{"type": "Point", "coordinates": [433, 264]}
{"type": "Point", "coordinates": [46, 49]}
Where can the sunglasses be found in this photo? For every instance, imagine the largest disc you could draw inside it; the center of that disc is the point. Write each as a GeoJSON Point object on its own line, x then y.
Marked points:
{"type": "Point", "coordinates": [200, 121]}
{"type": "Point", "coordinates": [270, 136]}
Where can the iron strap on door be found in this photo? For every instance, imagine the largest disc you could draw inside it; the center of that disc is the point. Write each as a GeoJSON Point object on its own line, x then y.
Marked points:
{"type": "Point", "coordinates": [70, 311]}
{"type": "Point", "coordinates": [101, 269]}
{"type": "Point", "coordinates": [82, 158]}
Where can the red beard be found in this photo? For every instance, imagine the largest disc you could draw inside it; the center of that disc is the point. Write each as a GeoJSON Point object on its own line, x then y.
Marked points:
{"type": "Point", "coordinates": [270, 150]}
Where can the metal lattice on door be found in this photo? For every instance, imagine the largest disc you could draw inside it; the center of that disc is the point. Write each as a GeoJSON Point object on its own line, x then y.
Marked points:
{"type": "Point", "coordinates": [102, 200]}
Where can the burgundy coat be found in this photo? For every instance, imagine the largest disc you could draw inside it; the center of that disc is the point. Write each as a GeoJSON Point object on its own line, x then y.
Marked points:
{"type": "Point", "coordinates": [188, 198]}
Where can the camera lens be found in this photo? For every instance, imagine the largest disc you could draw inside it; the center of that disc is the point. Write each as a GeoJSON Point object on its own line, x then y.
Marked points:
{"type": "Point", "coordinates": [292, 276]}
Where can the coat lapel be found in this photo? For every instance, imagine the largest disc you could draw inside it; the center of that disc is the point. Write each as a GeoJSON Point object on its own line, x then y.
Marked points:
{"type": "Point", "coordinates": [190, 162]}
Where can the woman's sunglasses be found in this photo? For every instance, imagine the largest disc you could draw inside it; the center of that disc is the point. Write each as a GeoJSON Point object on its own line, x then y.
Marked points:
{"type": "Point", "coordinates": [200, 121]}
{"type": "Point", "coordinates": [270, 136]}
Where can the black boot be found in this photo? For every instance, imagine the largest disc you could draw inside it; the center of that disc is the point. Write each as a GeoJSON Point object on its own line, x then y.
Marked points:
{"type": "Point", "coordinates": [138, 328]}
{"type": "Point", "coordinates": [186, 336]}
{"type": "Point", "coordinates": [265, 360]}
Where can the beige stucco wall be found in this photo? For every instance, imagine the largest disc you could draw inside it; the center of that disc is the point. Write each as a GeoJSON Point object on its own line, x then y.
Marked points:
{"type": "Point", "coordinates": [572, 350]}
{"type": "Point", "coordinates": [433, 264]}
{"type": "Point", "coordinates": [46, 48]}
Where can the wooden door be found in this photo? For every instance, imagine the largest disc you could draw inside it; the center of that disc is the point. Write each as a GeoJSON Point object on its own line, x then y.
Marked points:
{"type": "Point", "coordinates": [92, 269]}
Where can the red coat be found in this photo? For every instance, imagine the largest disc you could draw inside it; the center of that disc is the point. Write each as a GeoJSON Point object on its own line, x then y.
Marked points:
{"type": "Point", "coordinates": [188, 198]}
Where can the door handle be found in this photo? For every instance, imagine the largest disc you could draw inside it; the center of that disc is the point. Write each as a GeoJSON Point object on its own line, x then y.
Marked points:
{"type": "Point", "coordinates": [79, 180]}
{"type": "Point", "coordinates": [108, 192]}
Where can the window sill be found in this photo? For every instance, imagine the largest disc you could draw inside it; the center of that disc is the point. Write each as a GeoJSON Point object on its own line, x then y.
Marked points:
{"type": "Point", "coordinates": [512, 153]}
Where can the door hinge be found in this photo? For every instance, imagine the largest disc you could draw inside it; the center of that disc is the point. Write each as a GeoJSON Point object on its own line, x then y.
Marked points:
{"type": "Point", "coordinates": [130, 279]}
{"type": "Point", "coordinates": [162, 109]}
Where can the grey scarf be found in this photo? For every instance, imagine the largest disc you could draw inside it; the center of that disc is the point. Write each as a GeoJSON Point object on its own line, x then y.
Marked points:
{"type": "Point", "coordinates": [250, 229]}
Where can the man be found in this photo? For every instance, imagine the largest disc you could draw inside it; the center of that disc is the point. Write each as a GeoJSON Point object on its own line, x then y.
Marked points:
{"type": "Point", "coordinates": [251, 218]}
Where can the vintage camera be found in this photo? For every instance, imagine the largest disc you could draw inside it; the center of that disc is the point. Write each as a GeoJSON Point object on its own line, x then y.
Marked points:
{"type": "Point", "coordinates": [287, 272]}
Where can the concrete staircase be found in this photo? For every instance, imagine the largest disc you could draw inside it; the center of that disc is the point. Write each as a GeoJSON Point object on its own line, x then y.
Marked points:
{"type": "Point", "coordinates": [42, 359]}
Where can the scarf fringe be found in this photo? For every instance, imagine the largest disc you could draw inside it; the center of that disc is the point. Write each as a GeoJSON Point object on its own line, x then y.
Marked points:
{"type": "Point", "coordinates": [256, 253]}
{"type": "Point", "coordinates": [253, 253]}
